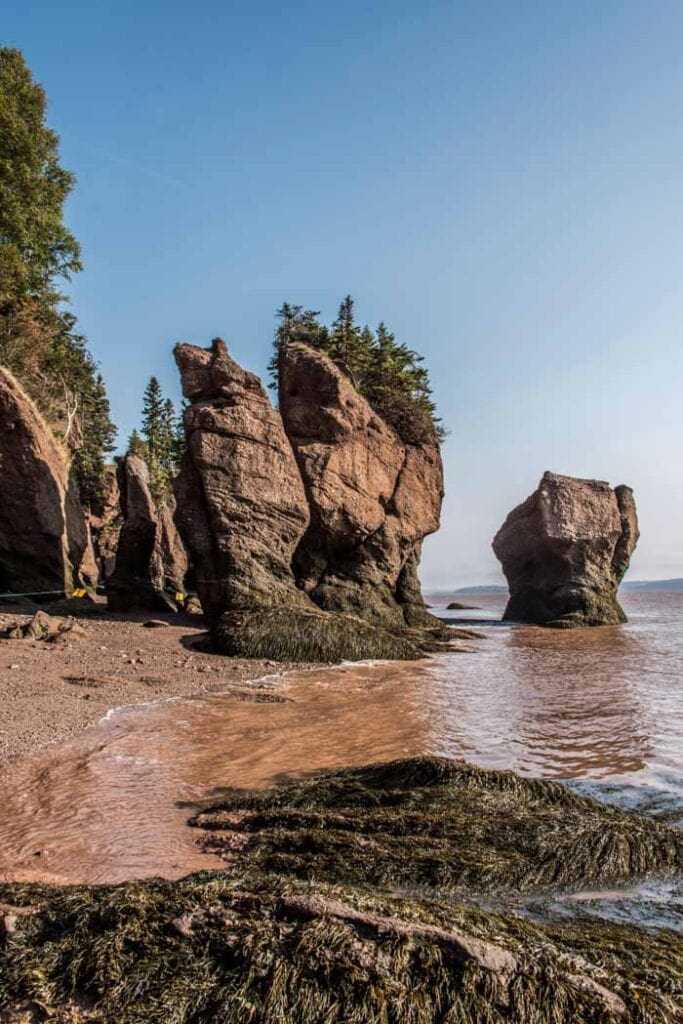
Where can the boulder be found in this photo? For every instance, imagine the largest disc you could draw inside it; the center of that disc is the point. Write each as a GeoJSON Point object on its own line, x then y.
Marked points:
{"type": "Point", "coordinates": [137, 581]}
{"type": "Point", "coordinates": [564, 552]}
{"type": "Point", "coordinates": [43, 533]}
{"type": "Point", "coordinates": [241, 507]}
{"type": "Point", "coordinates": [372, 498]}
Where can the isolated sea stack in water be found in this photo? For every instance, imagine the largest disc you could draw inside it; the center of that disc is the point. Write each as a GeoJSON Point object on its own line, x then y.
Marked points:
{"type": "Point", "coordinates": [43, 533]}
{"type": "Point", "coordinates": [141, 572]}
{"type": "Point", "coordinates": [372, 498]}
{"type": "Point", "coordinates": [565, 550]}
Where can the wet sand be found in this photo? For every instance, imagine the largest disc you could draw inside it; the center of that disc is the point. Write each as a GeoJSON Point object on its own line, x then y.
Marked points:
{"type": "Point", "coordinates": [50, 693]}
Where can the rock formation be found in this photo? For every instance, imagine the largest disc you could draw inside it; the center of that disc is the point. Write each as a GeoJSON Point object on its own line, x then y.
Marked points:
{"type": "Point", "coordinates": [372, 498]}
{"type": "Point", "coordinates": [286, 524]}
{"type": "Point", "coordinates": [106, 521]}
{"type": "Point", "coordinates": [565, 550]}
{"type": "Point", "coordinates": [241, 504]}
{"type": "Point", "coordinates": [141, 575]}
{"type": "Point", "coordinates": [43, 534]}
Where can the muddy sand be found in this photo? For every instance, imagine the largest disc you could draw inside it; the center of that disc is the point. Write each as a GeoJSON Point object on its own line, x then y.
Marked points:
{"type": "Point", "coordinates": [50, 692]}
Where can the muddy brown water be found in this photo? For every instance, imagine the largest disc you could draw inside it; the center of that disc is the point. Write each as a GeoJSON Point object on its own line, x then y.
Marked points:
{"type": "Point", "coordinates": [603, 708]}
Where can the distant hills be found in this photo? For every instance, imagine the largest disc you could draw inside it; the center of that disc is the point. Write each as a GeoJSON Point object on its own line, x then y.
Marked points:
{"type": "Point", "coordinates": [676, 584]}
{"type": "Point", "coordinates": [653, 585]}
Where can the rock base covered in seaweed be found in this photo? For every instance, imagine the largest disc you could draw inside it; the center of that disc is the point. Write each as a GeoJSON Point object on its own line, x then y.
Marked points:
{"type": "Point", "coordinates": [341, 902]}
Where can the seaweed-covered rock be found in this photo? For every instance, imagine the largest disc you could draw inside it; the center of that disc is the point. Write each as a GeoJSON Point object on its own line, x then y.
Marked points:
{"type": "Point", "coordinates": [320, 914]}
{"type": "Point", "coordinates": [372, 498]}
{"type": "Point", "coordinates": [436, 822]}
{"type": "Point", "coordinates": [565, 550]}
{"type": "Point", "coordinates": [241, 504]}
{"type": "Point", "coordinates": [43, 534]}
{"type": "Point", "coordinates": [137, 581]}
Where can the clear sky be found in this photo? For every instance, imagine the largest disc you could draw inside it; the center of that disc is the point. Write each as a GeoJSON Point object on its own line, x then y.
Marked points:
{"type": "Point", "coordinates": [502, 182]}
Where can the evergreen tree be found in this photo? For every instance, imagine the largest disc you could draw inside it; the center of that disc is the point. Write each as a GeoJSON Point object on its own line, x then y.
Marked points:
{"type": "Point", "coordinates": [39, 340]}
{"type": "Point", "coordinates": [389, 374]}
{"type": "Point", "coordinates": [160, 438]}
{"type": "Point", "coordinates": [36, 248]}
{"type": "Point", "coordinates": [136, 446]}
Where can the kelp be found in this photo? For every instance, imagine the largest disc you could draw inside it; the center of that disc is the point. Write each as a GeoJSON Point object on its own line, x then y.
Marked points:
{"type": "Point", "coordinates": [438, 823]}
{"type": "Point", "coordinates": [349, 898]}
{"type": "Point", "coordinates": [210, 948]}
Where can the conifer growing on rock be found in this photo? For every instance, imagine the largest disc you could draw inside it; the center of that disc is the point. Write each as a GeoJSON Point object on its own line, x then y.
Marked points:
{"type": "Point", "coordinates": [387, 373]}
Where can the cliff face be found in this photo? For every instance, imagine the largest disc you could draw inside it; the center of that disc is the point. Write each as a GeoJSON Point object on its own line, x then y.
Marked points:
{"type": "Point", "coordinates": [241, 504]}
{"type": "Point", "coordinates": [319, 508]}
{"type": "Point", "coordinates": [44, 541]}
{"type": "Point", "coordinates": [565, 550]}
{"type": "Point", "coordinates": [372, 498]}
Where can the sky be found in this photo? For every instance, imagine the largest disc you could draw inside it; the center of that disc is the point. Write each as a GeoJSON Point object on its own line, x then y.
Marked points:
{"type": "Point", "coordinates": [502, 183]}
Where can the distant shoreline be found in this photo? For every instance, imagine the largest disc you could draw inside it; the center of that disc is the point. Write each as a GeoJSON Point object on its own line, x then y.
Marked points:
{"type": "Point", "coordinates": [496, 588]}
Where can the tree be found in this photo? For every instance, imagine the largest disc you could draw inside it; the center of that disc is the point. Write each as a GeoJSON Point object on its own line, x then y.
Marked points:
{"type": "Point", "coordinates": [136, 446]}
{"type": "Point", "coordinates": [39, 339]}
{"type": "Point", "coordinates": [160, 440]}
{"type": "Point", "coordinates": [36, 248]}
{"type": "Point", "coordinates": [390, 375]}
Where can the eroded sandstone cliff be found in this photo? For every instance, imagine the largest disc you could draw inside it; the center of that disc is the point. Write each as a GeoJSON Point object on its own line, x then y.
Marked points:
{"type": "Point", "coordinates": [372, 498]}
{"type": "Point", "coordinates": [44, 541]}
{"type": "Point", "coordinates": [314, 515]}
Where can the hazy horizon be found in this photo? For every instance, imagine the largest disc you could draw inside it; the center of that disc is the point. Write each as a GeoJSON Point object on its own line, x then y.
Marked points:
{"type": "Point", "coordinates": [501, 186]}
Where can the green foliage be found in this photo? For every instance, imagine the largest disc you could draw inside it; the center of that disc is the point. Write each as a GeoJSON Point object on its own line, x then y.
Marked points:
{"type": "Point", "coordinates": [160, 442]}
{"type": "Point", "coordinates": [389, 374]}
{"type": "Point", "coordinates": [35, 246]}
{"type": "Point", "coordinates": [39, 340]}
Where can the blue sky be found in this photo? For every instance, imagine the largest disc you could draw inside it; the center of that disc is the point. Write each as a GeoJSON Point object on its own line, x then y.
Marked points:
{"type": "Point", "coordinates": [501, 182]}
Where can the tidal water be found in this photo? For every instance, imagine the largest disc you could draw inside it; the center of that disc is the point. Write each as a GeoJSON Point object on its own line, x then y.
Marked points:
{"type": "Point", "coordinates": [601, 709]}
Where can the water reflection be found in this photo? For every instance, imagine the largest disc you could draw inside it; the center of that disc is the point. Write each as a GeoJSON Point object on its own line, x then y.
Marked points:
{"type": "Point", "coordinates": [592, 705]}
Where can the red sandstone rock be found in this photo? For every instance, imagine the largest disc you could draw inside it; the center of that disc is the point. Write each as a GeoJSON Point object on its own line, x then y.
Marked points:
{"type": "Point", "coordinates": [565, 550]}
{"type": "Point", "coordinates": [372, 498]}
{"type": "Point", "coordinates": [241, 507]}
{"type": "Point", "coordinates": [43, 534]}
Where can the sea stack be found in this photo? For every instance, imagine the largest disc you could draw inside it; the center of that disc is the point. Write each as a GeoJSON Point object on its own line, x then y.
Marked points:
{"type": "Point", "coordinates": [372, 497]}
{"type": "Point", "coordinates": [564, 552]}
{"type": "Point", "coordinates": [141, 570]}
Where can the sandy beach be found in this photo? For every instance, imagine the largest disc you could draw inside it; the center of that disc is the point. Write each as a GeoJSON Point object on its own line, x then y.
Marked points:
{"type": "Point", "coordinates": [51, 692]}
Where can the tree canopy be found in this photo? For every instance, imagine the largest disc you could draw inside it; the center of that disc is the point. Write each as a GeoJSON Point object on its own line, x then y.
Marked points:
{"type": "Point", "coordinates": [160, 441]}
{"type": "Point", "coordinates": [389, 374]}
{"type": "Point", "coordinates": [39, 339]}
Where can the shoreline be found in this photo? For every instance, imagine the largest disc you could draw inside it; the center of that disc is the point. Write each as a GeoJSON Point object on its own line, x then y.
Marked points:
{"type": "Point", "coordinates": [51, 693]}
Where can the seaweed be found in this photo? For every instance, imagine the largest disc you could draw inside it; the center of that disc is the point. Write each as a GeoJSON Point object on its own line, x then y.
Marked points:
{"type": "Point", "coordinates": [343, 902]}
{"type": "Point", "coordinates": [436, 822]}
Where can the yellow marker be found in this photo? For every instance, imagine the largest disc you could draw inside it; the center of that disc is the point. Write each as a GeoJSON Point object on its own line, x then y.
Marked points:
{"type": "Point", "coordinates": [79, 593]}
{"type": "Point", "coordinates": [180, 597]}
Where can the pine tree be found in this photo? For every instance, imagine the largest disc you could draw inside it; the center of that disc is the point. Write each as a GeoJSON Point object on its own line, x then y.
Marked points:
{"type": "Point", "coordinates": [136, 446]}
{"type": "Point", "coordinates": [390, 375]}
{"type": "Point", "coordinates": [39, 339]}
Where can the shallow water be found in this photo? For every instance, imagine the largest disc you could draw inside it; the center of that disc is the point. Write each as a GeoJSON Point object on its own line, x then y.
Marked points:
{"type": "Point", "coordinates": [602, 707]}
